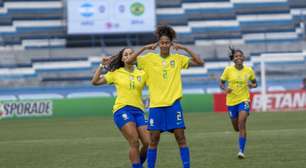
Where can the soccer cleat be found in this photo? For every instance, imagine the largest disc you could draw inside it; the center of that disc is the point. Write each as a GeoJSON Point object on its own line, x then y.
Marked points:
{"type": "Point", "coordinates": [241, 155]}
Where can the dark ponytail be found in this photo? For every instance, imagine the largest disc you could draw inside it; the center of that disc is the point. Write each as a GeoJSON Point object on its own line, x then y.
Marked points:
{"type": "Point", "coordinates": [232, 52]}
{"type": "Point", "coordinates": [116, 61]}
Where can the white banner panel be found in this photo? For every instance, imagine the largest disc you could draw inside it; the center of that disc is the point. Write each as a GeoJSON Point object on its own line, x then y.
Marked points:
{"type": "Point", "coordinates": [110, 16]}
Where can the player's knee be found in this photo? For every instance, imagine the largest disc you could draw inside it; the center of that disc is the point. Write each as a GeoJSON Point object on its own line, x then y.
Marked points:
{"type": "Point", "coordinates": [134, 142]}
{"type": "Point", "coordinates": [241, 125]}
{"type": "Point", "coordinates": [145, 143]}
{"type": "Point", "coordinates": [154, 140]}
{"type": "Point", "coordinates": [236, 128]}
{"type": "Point", "coordinates": [153, 144]}
{"type": "Point", "coordinates": [181, 140]}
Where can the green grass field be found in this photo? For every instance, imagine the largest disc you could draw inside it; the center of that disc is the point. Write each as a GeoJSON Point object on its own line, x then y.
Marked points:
{"type": "Point", "coordinates": [275, 140]}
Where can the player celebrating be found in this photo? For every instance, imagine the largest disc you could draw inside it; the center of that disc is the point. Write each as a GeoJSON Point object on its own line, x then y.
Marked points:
{"type": "Point", "coordinates": [128, 108]}
{"type": "Point", "coordinates": [165, 89]}
{"type": "Point", "coordinates": [239, 78]}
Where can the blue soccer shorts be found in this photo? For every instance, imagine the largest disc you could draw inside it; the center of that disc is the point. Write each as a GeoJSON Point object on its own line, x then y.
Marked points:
{"type": "Point", "coordinates": [166, 118]}
{"type": "Point", "coordinates": [234, 111]}
{"type": "Point", "coordinates": [129, 114]}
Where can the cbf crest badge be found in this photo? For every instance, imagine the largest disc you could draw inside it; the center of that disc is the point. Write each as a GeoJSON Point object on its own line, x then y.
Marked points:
{"type": "Point", "coordinates": [172, 63]}
{"type": "Point", "coordinates": [139, 78]}
{"type": "Point", "coordinates": [125, 116]}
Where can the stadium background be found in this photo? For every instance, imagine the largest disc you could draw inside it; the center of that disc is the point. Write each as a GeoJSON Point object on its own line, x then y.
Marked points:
{"type": "Point", "coordinates": [51, 116]}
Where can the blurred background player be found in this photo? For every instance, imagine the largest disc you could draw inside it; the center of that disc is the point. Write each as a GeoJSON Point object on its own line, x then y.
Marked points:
{"type": "Point", "coordinates": [304, 84]}
{"type": "Point", "coordinates": [238, 77]}
{"type": "Point", "coordinates": [128, 108]}
{"type": "Point", "coordinates": [165, 87]}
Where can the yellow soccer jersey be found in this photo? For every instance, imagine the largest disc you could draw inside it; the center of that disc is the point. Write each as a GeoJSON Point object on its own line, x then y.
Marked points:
{"type": "Point", "coordinates": [163, 77]}
{"type": "Point", "coordinates": [238, 82]}
{"type": "Point", "coordinates": [129, 87]}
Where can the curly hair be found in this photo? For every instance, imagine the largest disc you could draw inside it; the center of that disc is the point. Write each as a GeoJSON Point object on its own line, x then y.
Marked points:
{"type": "Point", "coordinates": [232, 52]}
{"type": "Point", "coordinates": [165, 30]}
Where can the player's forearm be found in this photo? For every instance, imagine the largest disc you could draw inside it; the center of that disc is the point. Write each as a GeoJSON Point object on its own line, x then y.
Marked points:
{"type": "Point", "coordinates": [194, 57]}
{"type": "Point", "coordinates": [222, 85]}
{"type": "Point", "coordinates": [225, 89]}
{"type": "Point", "coordinates": [96, 78]}
{"type": "Point", "coordinates": [133, 57]}
{"type": "Point", "coordinates": [253, 84]}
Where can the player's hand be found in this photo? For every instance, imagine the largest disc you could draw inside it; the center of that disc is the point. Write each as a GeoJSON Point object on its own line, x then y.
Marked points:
{"type": "Point", "coordinates": [151, 46]}
{"type": "Point", "coordinates": [228, 90]}
{"type": "Point", "coordinates": [177, 46]}
{"type": "Point", "coordinates": [105, 60]}
{"type": "Point", "coordinates": [252, 85]}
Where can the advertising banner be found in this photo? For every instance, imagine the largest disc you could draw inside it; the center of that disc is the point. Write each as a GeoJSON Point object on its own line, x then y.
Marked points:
{"type": "Point", "coordinates": [281, 101]}
{"type": "Point", "coordinates": [294, 100]}
{"type": "Point", "coordinates": [109, 16]}
{"type": "Point", "coordinates": [86, 107]}
{"type": "Point", "coordinates": [26, 109]}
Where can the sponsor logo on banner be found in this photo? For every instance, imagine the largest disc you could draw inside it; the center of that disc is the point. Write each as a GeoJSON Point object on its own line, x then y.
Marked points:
{"type": "Point", "coordinates": [21, 109]}
{"type": "Point", "coordinates": [137, 9]}
{"type": "Point", "coordinates": [281, 101]}
{"type": "Point", "coordinates": [294, 100]}
{"type": "Point", "coordinates": [87, 9]}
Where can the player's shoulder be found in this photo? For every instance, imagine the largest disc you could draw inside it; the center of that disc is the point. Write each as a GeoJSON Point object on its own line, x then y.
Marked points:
{"type": "Point", "coordinates": [139, 71]}
{"type": "Point", "coordinates": [116, 71]}
{"type": "Point", "coordinates": [229, 68]}
{"type": "Point", "coordinates": [177, 55]}
{"type": "Point", "coordinates": [150, 55]}
{"type": "Point", "coordinates": [248, 68]}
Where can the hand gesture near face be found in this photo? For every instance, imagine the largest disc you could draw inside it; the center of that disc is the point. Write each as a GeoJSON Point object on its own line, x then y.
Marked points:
{"type": "Point", "coordinates": [106, 60]}
{"type": "Point", "coordinates": [152, 46]}
{"type": "Point", "coordinates": [177, 46]}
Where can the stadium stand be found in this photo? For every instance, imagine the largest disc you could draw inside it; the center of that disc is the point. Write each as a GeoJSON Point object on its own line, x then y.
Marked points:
{"type": "Point", "coordinates": [36, 51]}
{"type": "Point", "coordinates": [43, 23]}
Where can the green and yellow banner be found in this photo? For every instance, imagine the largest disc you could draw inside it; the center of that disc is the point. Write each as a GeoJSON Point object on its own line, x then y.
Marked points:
{"type": "Point", "coordinates": [85, 107]}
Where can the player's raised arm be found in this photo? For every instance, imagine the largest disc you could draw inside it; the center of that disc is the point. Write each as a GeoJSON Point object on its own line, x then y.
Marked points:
{"type": "Point", "coordinates": [133, 58]}
{"type": "Point", "coordinates": [195, 59]}
{"type": "Point", "coordinates": [98, 78]}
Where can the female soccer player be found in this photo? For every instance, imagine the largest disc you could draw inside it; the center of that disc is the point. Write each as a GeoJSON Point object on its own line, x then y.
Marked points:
{"type": "Point", "coordinates": [239, 78]}
{"type": "Point", "coordinates": [128, 108]}
{"type": "Point", "coordinates": [165, 90]}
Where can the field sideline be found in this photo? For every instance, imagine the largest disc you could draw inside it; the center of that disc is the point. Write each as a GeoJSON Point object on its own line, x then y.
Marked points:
{"type": "Point", "coordinates": [275, 140]}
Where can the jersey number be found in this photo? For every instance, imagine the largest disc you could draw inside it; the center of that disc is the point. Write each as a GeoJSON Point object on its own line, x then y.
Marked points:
{"type": "Point", "coordinates": [178, 116]}
{"type": "Point", "coordinates": [132, 85]}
